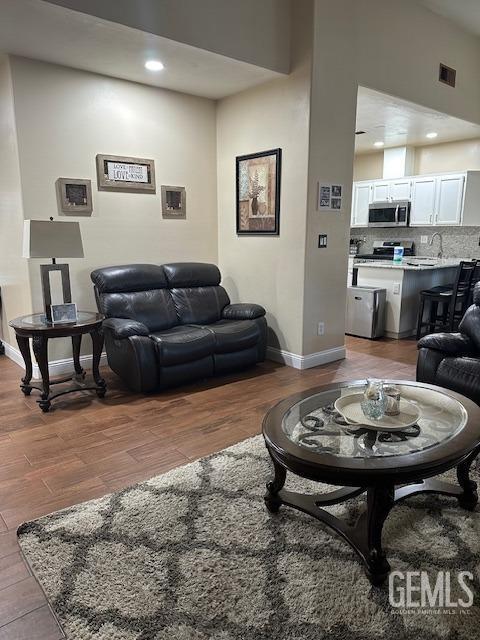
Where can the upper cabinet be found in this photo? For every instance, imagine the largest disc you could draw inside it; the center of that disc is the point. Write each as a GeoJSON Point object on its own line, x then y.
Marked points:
{"type": "Point", "coordinates": [448, 199]}
{"type": "Point", "coordinates": [362, 196]}
{"type": "Point", "coordinates": [422, 211]}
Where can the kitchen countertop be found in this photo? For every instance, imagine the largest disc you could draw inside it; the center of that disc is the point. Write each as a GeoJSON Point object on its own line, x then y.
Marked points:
{"type": "Point", "coordinates": [414, 263]}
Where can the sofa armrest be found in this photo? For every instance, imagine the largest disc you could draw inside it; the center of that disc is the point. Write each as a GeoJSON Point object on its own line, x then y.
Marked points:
{"type": "Point", "coordinates": [124, 328]}
{"type": "Point", "coordinates": [455, 344]}
{"type": "Point", "coordinates": [242, 311]}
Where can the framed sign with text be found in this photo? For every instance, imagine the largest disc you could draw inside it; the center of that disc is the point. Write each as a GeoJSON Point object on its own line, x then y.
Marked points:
{"type": "Point", "coordinates": [122, 173]}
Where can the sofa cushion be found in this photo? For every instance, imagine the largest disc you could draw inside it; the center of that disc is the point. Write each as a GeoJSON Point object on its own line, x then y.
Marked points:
{"type": "Point", "coordinates": [129, 277]}
{"type": "Point", "coordinates": [183, 344]}
{"type": "Point", "coordinates": [461, 375]}
{"type": "Point", "coordinates": [199, 305]}
{"type": "Point", "coordinates": [234, 335]}
{"type": "Point", "coordinates": [191, 274]}
{"type": "Point", "coordinates": [153, 308]}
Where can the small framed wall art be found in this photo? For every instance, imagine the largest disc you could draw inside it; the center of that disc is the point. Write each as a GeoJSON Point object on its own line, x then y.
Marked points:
{"type": "Point", "coordinates": [124, 173]}
{"type": "Point", "coordinates": [174, 202]}
{"type": "Point", "coordinates": [258, 192]}
{"type": "Point", "coordinates": [74, 196]}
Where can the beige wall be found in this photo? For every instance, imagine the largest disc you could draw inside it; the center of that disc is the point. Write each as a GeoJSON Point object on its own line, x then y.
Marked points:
{"type": "Point", "coordinates": [83, 114]}
{"type": "Point", "coordinates": [248, 30]}
{"type": "Point", "coordinates": [368, 166]}
{"type": "Point", "coordinates": [269, 270]}
{"type": "Point", "coordinates": [450, 156]}
{"type": "Point", "coordinates": [14, 280]}
{"type": "Point", "coordinates": [461, 155]}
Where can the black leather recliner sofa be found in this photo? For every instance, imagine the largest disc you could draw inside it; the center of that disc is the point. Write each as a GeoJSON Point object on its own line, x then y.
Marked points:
{"type": "Point", "coordinates": [452, 360]}
{"type": "Point", "coordinates": [174, 323]}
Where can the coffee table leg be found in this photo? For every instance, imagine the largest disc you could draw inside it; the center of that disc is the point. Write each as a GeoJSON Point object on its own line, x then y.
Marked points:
{"type": "Point", "coordinates": [380, 501]}
{"type": "Point", "coordinates": [469, 498]}
{"type": "Point", "coordinates": [40, 349]}
{"type": "Point", "coordinates": [272, 499]}
{"type": "Point", "coordinates": [24, 346]}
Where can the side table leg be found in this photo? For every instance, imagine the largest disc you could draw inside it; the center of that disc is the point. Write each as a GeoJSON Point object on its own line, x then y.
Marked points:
{"type": "Point", "coordinates": [272, 500]}
{"type": "Point", "coordinates": [40, 349]}
{"type": "Point", "coordinates": [76, 344]}
{"type": "Point", "coordinates": [97, 341]}
{"type": "Point", "coordinates": [469, 498]}
{"type": "Point", "coordinates": [24, 346]}
{"type": "Point", "coordinates": [380, 500]}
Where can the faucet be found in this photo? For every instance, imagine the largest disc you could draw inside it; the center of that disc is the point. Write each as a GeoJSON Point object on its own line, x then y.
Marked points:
{"type": "Point", "coordinates": [440, 246]}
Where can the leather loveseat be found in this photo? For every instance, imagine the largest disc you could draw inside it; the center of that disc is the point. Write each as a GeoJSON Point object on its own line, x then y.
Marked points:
{"type": "Point", "coordinates": [174, 323]}
{"type": "Point", "coordinates": [452, 360]}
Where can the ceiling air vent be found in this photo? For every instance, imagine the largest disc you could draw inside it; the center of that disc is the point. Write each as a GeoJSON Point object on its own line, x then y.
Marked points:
{"type": "Point", "coordinates": [447, 75]}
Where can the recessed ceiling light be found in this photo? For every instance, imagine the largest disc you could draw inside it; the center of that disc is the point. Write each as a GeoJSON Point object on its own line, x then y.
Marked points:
{"type": "Point", "coordinates": [432, 134]}
{"type": "Point", "coordinates": [153, 65]}
{"type": "Point", "coordinates": [379, 143]}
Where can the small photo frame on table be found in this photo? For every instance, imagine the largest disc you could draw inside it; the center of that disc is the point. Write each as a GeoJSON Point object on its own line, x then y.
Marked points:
{"type": "Point", "coordinates": [174, 203]}
{"type": "Point", "coordinates": [74, 196]}
{"type": "Point", "coordinates": [64, 313]}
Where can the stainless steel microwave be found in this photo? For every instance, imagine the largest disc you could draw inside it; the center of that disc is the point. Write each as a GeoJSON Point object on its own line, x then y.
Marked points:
{"type": "Point", "coordinates": [389, 214]}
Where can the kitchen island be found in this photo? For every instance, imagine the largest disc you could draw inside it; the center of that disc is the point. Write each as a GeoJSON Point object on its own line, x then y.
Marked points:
{"type": "Point", "coordinates": [403, 283]}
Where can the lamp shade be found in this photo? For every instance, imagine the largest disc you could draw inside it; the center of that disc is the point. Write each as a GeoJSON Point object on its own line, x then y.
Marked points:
{"type": "Point", "coordinates": [47, 239]}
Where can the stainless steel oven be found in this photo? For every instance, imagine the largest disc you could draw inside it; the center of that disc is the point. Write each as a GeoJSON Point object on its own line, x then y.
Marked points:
{"type": "Point", "coordinates": [389, 214]}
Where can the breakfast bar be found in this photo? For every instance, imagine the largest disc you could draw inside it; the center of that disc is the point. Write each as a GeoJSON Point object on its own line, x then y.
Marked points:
{"type": "Point", "coordinates": [403, 283]}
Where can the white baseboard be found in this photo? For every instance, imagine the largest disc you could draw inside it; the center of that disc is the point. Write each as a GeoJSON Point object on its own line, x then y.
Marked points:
{"type": "Point", "coordinates": [306, 362]}
{"type": "Point", "coordinates": [55, 367]}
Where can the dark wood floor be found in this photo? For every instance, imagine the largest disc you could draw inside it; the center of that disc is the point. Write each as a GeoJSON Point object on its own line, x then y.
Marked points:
{"type": "Point", "coordinates": [87, 447]}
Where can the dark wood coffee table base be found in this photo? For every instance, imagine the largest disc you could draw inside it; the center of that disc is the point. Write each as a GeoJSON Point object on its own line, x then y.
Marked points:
{"type": "Point", "coordinates": [365, 536]}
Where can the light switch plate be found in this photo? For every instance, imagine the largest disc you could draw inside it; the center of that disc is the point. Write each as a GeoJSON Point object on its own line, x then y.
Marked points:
{"type": "Point", "coordinates": [396, 288]}
{"type": "Point", "coordinates": [423, 239]}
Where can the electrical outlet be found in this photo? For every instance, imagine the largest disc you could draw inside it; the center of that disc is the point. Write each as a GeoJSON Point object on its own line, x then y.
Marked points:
{"type": "Point", "coordinates": [423, 239]}
{"type": "Point", "coordinates": [396, 288]}
{"type": "Point", "coordinates": [321, 328]}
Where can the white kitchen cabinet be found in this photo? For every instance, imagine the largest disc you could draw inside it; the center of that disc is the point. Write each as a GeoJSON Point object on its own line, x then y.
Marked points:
{"type": "Point", "coordinates": [424, 192]}
{"type": "Point", "coordinates": [360, 201]}
{"type": "Point", "coordinates": [401, 189]}
{"type": "Point", "coordinates": [388, 190]}
{"type": "Point", "coordinates": [449, 203]}
{"type": "Point", "coordinates": [437, 200]}
{"type": "Point", "coordinates": [381, 191]}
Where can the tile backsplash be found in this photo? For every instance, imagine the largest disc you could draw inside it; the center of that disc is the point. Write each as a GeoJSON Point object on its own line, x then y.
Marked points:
{"type": "Point", "coordinates": [458, 242]}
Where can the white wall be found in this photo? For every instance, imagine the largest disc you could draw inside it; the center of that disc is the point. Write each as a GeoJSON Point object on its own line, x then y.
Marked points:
{"type": "Point", "coordinates": [65, 117]}
{"type": "Point", "coordinates": [269, 270]}
{"type": "Point", "coordinates": [14, 280]}
{"type": "Point", "coordinates": [248, 30]}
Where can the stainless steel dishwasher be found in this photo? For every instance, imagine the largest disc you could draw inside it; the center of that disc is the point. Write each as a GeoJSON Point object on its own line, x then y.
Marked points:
{"type": "Point", "coordinates": [365, 315]}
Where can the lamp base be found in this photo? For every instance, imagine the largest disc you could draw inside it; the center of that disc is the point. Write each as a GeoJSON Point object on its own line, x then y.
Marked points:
{"type": "Point", "coordinates": [45, 270]}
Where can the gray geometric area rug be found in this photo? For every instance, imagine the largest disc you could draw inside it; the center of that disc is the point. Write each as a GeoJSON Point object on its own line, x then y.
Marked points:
{"type": "Point", "coordinates": [194, 555]}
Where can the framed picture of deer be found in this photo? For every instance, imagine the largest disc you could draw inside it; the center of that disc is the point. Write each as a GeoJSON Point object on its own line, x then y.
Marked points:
{"type": "Point", "coordinates": [258, 192]}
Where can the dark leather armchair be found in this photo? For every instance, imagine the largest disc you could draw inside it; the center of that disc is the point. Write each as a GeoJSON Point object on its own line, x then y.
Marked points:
{"type": "Point", "coordinates": [174, 323]}
{"type": "Point", "coordinates": [452, 360]}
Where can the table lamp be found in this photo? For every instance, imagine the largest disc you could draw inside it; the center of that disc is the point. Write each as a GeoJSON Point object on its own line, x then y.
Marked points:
{"type": "Point", "coordinates": [48, 239]}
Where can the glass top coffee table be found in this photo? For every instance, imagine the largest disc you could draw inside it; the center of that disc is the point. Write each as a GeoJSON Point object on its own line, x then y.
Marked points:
{"type": "Point", "coordinates": [305, 435]}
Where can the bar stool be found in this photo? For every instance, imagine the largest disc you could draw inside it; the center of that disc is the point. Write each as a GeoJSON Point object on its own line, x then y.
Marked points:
{"type": "Point", "coordinates": [452, 298]}
{"type": "Point", "coordinates": [473, 282]}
